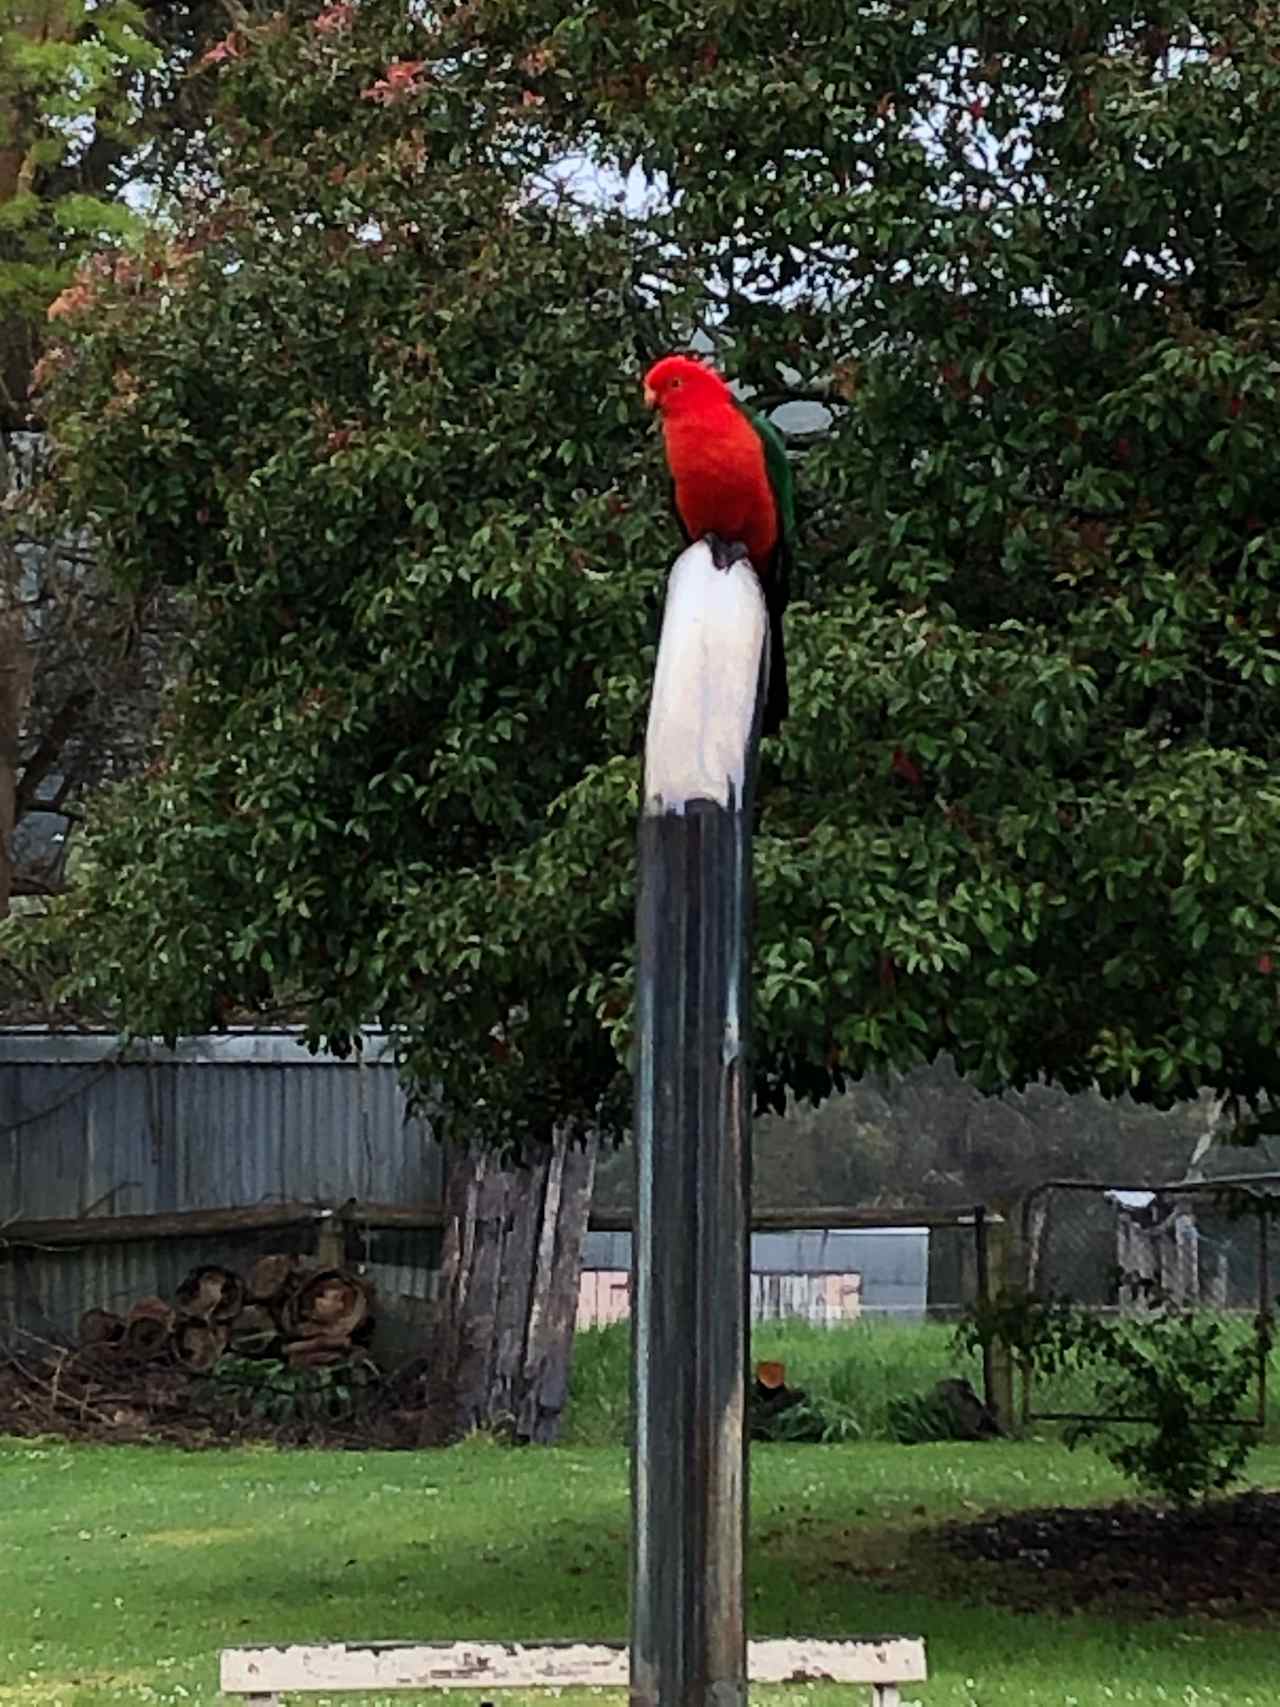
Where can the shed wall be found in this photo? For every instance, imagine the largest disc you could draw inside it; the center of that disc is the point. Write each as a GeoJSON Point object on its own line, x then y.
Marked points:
{"type": "Point", "coordinates": [892, 1262]}
{"type": "Point", "coordinates": [86, 1128]}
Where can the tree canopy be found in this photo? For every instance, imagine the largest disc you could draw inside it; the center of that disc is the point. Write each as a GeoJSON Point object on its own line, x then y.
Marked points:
{"type": "Point", "coordinates": [373, 403]}
{"type": "Point", "coordinates": [98, 104]}
{"type": "Point", "coordinates": [95, 100]}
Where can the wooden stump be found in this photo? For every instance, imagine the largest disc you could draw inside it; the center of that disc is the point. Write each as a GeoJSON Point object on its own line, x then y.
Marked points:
{"type": "Point", "coordinates": [509, 1289]}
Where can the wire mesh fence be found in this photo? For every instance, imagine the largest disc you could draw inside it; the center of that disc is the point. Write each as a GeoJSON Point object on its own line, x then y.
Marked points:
{"type": "Point", "coordinates": [1201, 1249]}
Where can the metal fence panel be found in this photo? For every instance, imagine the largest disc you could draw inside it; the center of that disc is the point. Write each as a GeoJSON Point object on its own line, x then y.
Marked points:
{"type": "Point", "coordinates": [217, 1123]}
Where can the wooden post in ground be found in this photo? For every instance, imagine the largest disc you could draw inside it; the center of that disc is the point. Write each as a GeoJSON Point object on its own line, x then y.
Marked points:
{"type": "Point", "coordinates": [691, 1246]}
{"type": "Point", "coordinates": [1003, 1270]}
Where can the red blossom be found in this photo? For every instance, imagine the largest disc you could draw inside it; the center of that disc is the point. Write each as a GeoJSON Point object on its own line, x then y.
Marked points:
{"type": "Point", "coordinates": [49, 366]}
{"type": "Point", "coordinates": [903, 765]}
{"type": "Point", "coordinates": [1265, 963]}
{"type": "Point", "coordinates": [230, 47]}
{"type": "Point", "coordinates": [70, 301]}
{"type": "Point", "coordinates": [403, 79]}
{"type": "Point", "coordinates": [334, 19]}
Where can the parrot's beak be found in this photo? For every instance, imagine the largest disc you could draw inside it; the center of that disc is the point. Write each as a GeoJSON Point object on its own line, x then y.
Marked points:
{"type": "Point", "coordinates": [650, 397]}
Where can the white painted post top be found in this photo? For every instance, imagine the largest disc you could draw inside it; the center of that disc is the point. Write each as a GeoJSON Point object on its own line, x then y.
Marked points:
{"type": "Point", "coordinates": [705, 684]}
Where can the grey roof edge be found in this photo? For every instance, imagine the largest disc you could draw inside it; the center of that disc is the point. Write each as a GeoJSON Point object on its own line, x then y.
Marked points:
{"type": "Point", "coordinates": [239, 1047]}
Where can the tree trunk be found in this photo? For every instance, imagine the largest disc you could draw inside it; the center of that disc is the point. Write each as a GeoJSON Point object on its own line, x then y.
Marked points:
{"type": "Point", "coordinates": [15, 692]}
{"type": "Point", "coordinates": [509, 1289]}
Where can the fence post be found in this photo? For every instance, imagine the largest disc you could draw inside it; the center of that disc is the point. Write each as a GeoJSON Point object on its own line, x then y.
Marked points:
{"type": "Point", "coordinates": [691, 1246]}
{"type": "Point", "coordinates": [1264, 1306]}
{"type": "Point", "coordinates": [1002, 1272]}
{"type": "Point", "coordinates": [1031, 1220]}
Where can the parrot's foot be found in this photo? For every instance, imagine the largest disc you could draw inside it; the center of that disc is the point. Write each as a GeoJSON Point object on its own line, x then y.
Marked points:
{"type": "Point", "coordinates": [725, 553]}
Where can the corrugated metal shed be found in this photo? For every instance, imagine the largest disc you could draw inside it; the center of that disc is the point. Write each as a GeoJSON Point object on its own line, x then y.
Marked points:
{"type": "Point", "coordinates": [250, 1118]}
{"type": "Point", "coordinates": [893, 1262]}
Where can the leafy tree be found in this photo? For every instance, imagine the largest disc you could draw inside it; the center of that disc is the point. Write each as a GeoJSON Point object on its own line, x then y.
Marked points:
{"type": "Point", "coordinates": [375, 407]}
{"type": "Point", "coordinates": [96, 101]}
{"type": "Point", "coordinates": [82, 667]}
{"type": "Point", "coordinates": [375, 404]}
{"type": "Point", "coordinates": [65, 121]}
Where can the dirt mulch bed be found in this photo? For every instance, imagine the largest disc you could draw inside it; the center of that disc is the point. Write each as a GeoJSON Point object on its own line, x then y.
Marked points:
{"type": "Point", "coordinates": [1219, 1560]}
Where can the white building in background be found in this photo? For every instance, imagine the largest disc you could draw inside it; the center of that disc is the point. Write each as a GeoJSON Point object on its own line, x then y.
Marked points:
{"type": "Point", "coordinates": [825, 1277]}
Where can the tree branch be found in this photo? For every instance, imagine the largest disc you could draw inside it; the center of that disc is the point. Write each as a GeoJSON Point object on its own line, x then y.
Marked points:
{"type": "Point", "coordinates": [51, 747]}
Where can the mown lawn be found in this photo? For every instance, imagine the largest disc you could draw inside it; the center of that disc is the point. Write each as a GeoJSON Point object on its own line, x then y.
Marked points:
{"type": "Point", "coordinates": [125, 1569]}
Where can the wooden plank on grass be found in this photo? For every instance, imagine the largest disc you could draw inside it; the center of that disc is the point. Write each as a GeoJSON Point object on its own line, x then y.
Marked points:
{"type": "Point", "coordinates": [866, 1659]}
{"type": "Point", "coordinates": [422, 1665]}
{"type": "Point", "coordinates": [544, 1665]}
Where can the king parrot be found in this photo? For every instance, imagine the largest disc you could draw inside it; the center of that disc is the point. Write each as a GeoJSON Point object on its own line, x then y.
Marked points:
{"type": "Point", "coordinates": [732, 486]}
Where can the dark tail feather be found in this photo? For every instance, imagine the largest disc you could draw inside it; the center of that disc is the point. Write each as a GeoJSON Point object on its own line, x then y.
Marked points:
{"type": "Point", "coordinates": [777, 698]}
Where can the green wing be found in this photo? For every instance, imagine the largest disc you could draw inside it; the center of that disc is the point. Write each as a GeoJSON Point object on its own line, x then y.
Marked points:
{"type": "Point", "coordinates": [777, 579]}
{"type": "Point", "coordinates": [778, 467]}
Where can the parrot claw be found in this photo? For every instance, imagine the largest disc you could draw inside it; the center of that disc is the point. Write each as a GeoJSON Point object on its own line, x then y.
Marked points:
{"type": "Point", "coordinates": [725, 553]}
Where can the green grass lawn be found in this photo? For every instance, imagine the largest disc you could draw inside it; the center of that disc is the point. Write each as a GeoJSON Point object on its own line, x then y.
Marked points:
{"type": "Point", "coordinates": [862, 1367]}
{"type": "Point", "coordinates": [125, 1569]}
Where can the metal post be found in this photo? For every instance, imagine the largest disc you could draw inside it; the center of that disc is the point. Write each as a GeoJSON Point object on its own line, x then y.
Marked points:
{"type": "Point", "coordinates": [999, 1369]}
{"type": "Point", "coordinates": [691, 1246]}
{"type": "Point", "coordinates": [984, 1298]}
{"type": "Point", "coordinates": [1264, 1309]}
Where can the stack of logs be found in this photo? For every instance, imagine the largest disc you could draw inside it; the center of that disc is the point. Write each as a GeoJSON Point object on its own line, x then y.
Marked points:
{"type": "Point", "coordinates": [283, 1307]}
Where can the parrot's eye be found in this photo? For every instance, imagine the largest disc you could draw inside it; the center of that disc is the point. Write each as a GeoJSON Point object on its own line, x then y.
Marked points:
{"type": "Point", "coordinates": [676, 384]}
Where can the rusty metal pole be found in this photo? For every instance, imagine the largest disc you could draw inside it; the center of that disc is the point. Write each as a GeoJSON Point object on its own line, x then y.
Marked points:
{"type": "Point", "coordinates": [691, 1244]}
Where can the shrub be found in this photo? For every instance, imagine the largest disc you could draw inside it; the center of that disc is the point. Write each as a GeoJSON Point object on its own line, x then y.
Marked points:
{"type": "Point", "coordinates": [1166, 1387]}
{"type": "Point", "coordinates": [1177, 1372]}
{"type": "Point", "coordinates": [243, 1391]}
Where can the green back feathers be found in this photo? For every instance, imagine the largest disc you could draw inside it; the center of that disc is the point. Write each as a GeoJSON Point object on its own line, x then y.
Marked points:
{"type": "Point", "coordinates": [778, 467]}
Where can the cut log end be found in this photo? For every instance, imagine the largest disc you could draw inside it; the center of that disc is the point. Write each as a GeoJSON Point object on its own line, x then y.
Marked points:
{"type": "Point", "coordinates": [322, 1351]}
{"type": "Point", "coordinates": [211, 1293]}
{"type": "Point", "coordinates": [255, 1332]}
{"type": "Point", "coordinates": [147, 1329]}
{"type": "Point", "coordinates": [330, 1302]}
{"type": "Point", "coordinates": [101, 1327]}
{"type": "Point", "coordinates": [271, 1278]}
{"type": "Point", "coordinates": [198, 1345]}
